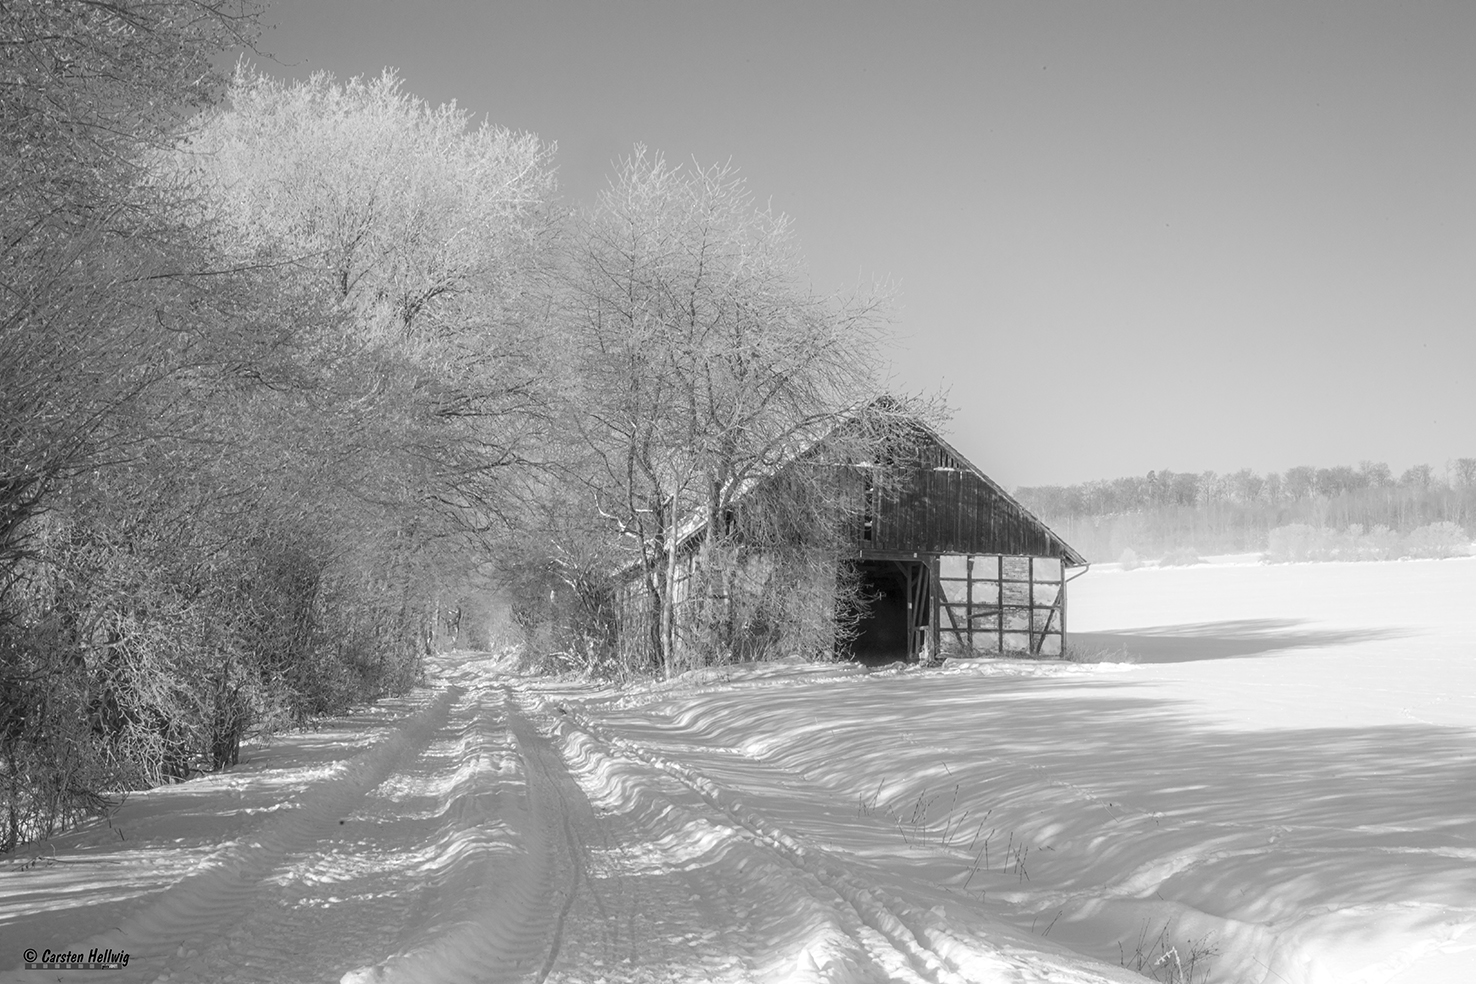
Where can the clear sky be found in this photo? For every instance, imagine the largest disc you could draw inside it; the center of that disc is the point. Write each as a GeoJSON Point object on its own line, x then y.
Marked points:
{"type": "Point", "coordinates": [1125, 235]}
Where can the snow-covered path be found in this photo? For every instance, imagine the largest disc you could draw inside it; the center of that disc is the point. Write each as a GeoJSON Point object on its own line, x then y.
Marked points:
{"type": "Point", "coordinates": [481, 830]}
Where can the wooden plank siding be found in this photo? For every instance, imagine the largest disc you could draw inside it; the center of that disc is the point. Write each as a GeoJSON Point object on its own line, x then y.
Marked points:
{"type": "Point", "coordinates": [940, 503]}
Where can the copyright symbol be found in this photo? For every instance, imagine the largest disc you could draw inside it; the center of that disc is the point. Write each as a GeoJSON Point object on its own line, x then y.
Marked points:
{"type": "Point", "coordinates": [30, 956]}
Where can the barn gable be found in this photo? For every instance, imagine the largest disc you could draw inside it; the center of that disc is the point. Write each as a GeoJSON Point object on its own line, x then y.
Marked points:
{"type": "Point", "coordinates": [942, 503]}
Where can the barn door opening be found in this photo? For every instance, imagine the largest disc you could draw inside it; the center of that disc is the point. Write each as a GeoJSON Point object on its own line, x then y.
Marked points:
{"type": "Point", "coordinates": [896, 620]}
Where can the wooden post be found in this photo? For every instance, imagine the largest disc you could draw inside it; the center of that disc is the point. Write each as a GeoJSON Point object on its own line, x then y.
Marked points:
{"type": "Point", "coordinates": [921, 629]}
{"type": "Point", "coordinates": [969, 601]}
{"type": "Point", "coordinates": [935, 584]}
{"type": "Point", "coordinates": [1030, 643]}
{"type": "Point", "coordinates": [999, 583]}
{"type": "Point", "coordinates": [911, 616]}
{"type": "Point", "coordinates": [1063, 608]}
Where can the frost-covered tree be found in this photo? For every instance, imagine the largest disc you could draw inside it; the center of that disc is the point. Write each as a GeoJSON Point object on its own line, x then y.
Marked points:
{"type": "Point", "coordinates": [704, 362]}
{"type": "Point", "coordinates": [429, 233]}
{"type": "Point", "coordinates": [89, 255]}
{"type": "Point", "coordinates": [419, 220]}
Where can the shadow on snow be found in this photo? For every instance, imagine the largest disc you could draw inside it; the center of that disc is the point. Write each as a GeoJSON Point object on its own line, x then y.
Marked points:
{"type": "Point", "coordinates": [1220, 640]}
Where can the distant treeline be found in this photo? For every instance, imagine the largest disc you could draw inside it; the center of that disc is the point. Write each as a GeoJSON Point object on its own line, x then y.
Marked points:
{"type": "Point", "coordinates": [1165, 511]}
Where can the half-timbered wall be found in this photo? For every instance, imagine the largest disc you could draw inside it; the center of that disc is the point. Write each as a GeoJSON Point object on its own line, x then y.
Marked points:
{"type": "Point", "coordinates": [998, 604]}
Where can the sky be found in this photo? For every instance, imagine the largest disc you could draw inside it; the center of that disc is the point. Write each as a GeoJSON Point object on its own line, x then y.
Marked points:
{"type": "Point", "coordinates": [1123, 236]}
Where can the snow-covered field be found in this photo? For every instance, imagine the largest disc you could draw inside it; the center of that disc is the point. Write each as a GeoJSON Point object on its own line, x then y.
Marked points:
{"type": "Point", "coordinates": [1270, 780]}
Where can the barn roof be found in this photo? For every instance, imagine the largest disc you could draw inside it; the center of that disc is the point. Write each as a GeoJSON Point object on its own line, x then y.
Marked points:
{"type": "Point", "coordinates": [951, 506]}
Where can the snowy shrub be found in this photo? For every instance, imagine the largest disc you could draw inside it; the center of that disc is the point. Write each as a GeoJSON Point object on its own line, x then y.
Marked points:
{"type": "Point", "coordinates": [127, 659]}
{"type": "Point", "coordinates": [1298, 542]}
{"type": "Point", "coordinates": [1379, 543]}
{"type": "Point", "coordinates": [103, 666]}
{"type": "Point", "coordinates": [1077, 653]}
{"type": "Point", "coordinates": [1439, 540]}
{"type": "Point", "coordinates": [1180, 557]}
{"type": "Point", "coordinates": [1129, 560]}
{"type": "Point", "coordinates": [1166, 960]}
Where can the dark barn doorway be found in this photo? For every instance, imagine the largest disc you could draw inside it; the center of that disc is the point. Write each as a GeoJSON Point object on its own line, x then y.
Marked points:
{"type": "Point", "coordinates": [895, 624]}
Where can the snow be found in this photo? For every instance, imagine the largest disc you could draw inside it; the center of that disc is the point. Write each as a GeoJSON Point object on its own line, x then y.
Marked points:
{"type": "Point", "coordinates": [1269, 778]}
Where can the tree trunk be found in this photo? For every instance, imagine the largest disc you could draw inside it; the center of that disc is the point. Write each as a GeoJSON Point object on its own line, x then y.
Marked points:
{"type": "Point", "coordinates": [668, 609]}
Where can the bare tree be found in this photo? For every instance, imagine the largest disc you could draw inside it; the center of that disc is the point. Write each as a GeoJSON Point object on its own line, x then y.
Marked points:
{"type": "Point", "coordinates": [429, 234]}
{"type": "Point", "coordinates": [84, 242]}
{"type": "Point", "coordinates": [704, 364]}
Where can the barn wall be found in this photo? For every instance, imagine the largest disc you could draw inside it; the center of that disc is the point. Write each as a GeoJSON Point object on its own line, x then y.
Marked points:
{"type": "Point", "coordinates": [770, 612]}
{"type": "Point", "coordinates": [938, 503]}
{"type": "Point", "coordinates": [997, 604]}
{"type": "Point", "coordinates": [634, 625]}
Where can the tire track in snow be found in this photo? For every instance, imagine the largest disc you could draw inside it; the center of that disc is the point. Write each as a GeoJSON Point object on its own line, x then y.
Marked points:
{"type": "Point", "coordinates": [170, 927]}
{"type": "Point", "coordinates": [503, 922]}
{"type": "Point", "coordinates": [543, 913]}
{"type": "Point", "coordinates": [775, 922]}
{"type": "Point", "coordinates": [933, 950]}
{"type": "Point", "coordinates": [415, 860]}
{"type": "Point", "coordinates": [585, 942]}
{"type": "Point", "coordinates": [930, 953]}
{"type": "Point", "coordinates": [546, 793]}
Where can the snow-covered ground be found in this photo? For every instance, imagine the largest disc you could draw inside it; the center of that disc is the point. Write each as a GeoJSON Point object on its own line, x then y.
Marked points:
{"type": "Point", "coordinates": [1271, 779]}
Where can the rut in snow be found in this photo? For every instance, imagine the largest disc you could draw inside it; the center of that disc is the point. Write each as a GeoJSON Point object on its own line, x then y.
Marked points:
{"type": "Point", "coordinates": [203, 905]}
{"type": "Point", "coordinates": [860, 931]}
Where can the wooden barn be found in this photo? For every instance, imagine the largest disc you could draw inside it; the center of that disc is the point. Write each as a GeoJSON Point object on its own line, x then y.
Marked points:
{"type": "Point", "coordinates": [952, 564]}
{"type": "Point", "coordinates": [957, 566]}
